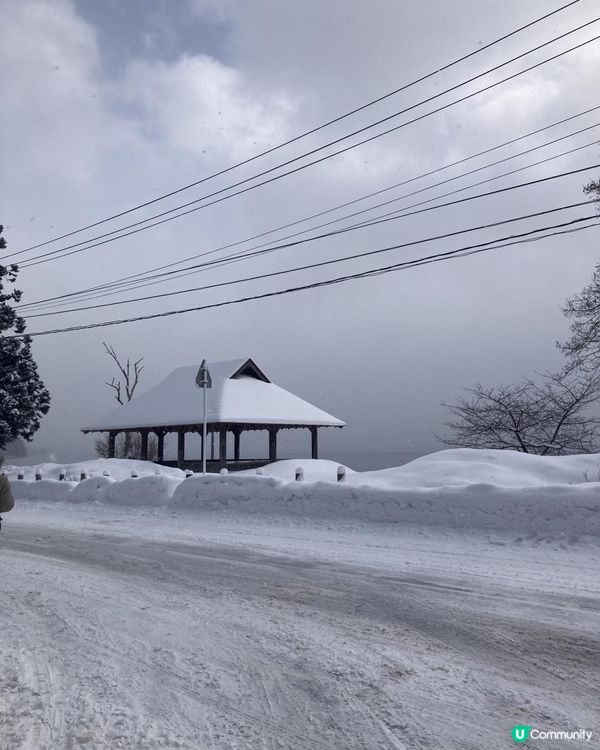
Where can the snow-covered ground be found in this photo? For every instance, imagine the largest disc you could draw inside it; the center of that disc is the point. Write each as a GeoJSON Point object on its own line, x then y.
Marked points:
{"type": "Point", "coordinates": [170, 624]}
{"type": "Point", "coordinates": [496, 490]}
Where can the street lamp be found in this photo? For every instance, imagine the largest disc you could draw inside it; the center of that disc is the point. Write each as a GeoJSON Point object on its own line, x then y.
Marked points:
{"type": "Point", "coordinates": [204, 381]}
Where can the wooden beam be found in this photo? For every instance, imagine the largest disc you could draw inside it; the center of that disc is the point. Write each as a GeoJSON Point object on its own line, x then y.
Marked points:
{"type": "Point", "coordinates": [112, 435]}
{"type": "Point", "coordinates": [273, 443]}
{"type": "Point", "coordinates": [144, 445]}
{"type": "Point", "coordinates": [222, 447]}
{"type": "Point", "coordinates": [180, 447]}
{"type": "Point", "coordinates": [160, 450]}
{"type": "Point", "coordinates": [236, 445]}
{"type": "Point", "coordinates": [314, 434]}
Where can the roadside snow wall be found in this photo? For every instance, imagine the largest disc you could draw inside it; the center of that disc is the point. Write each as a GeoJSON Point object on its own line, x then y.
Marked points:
{"type": "Point", "coordinates": [500, 490]}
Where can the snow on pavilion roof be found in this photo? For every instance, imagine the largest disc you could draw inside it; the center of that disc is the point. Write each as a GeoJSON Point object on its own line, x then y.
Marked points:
{"type": "Point", "coordinates": [241, 394]}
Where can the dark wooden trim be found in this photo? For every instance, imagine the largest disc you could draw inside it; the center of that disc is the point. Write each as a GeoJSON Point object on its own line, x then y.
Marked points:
{"type": "Point", "coordinates": [213, 427]}
{"type": "Point", "coordinates": [249, 364]}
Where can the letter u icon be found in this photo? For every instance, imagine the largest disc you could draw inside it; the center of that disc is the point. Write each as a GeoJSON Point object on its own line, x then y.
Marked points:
{"type": "Point", "coordinates": [520, 733]}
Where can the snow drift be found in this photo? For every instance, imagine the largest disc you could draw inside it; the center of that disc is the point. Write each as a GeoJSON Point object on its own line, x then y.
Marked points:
{"type": "Point", "coordinates": [464, 488]}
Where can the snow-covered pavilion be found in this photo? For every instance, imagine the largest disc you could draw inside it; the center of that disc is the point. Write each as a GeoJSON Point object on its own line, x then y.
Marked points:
{"type": "Point", "coordinates": [241, 398]}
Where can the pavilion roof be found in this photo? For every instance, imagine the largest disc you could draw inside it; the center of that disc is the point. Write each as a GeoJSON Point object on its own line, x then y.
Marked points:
{"type": "Point", "coordinates": [241, 394]}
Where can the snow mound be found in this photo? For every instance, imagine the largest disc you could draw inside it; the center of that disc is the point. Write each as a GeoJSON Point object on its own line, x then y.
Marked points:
{"type": "Point", "coordinates": [243, 491]}
{"type": "Point", "coordinates": [46, 489]}
{"type": "Point", "coordinates": [149, 490]}
{"type": "Point", "coordinates": [315, 470]}
{"type": "Point", "coordinates": [88, 490]}
{"type": "Point", "coordinates": [501, 490]}
{"type": "Point", "coordinates": [117, 468]}
{"type": "Point", "coordinates": [466, 466]}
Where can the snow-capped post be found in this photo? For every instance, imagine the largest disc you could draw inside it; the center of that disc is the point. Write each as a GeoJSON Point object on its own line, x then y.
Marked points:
{"type": "Point", "coordinates": [83, 475]}
{"type": "Point", "coordinates": [204, 381]}
{"type": "Point", "coordinates": [341, 473]}
{"type": "Point", "coordinates": [38, 475]}
{"type": "Point", "coordinates": [106, 473]}
{"type": "Point", "coordinates": [20, 475]}
{"type": "Point", "coordinates": [62, 475]}
{"type": "Point", "coordinates": [188, 473]}
{"type": "Point", "coordinates": [134, 474]}
{"type": "Point", "coordinates": [299, 474]}
{"type": "Point", "coordinates": [224, 472]}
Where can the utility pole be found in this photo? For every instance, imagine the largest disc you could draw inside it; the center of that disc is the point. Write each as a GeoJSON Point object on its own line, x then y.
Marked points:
{"type": "Point", "coordinates": [204, 381]}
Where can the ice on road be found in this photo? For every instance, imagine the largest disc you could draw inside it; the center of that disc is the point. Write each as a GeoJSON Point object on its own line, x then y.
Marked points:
{"type": "Point", "coordinates": [238, 633]}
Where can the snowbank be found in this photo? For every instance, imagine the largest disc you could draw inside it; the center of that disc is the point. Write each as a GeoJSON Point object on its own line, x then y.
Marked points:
{"type": "Point", "coordinates": [321, 470]}
{"type": "Point", "coordinates": [465, 466]}
{"type": "Point", "coordinates": [117, 468]}
{"type": "Point", "coordinates": [499, 490]}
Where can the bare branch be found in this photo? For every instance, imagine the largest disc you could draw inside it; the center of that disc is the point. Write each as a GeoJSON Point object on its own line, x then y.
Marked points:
{"type": "Point", "coordinates": [117, 387]}
{"type": "Point", "coordinates": [131, 380]}
{"type": "Point", "coordinates": [545, 417]}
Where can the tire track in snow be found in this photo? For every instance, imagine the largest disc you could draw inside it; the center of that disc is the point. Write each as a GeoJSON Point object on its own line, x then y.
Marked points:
{"type": "Point", "coordinates": [254, 611]}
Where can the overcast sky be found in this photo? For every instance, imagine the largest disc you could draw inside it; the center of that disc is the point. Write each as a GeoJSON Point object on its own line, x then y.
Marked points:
{"type": "Point", "coordinates": [109, 104]}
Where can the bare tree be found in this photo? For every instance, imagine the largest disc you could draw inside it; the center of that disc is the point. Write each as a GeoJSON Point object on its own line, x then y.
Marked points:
{"type": "Point", "coordinates": [582, 350]}
{"type": "Point", "coordinates": [128, 444]}
{"type": "Point", "coordinates": [131, 377]}
{"type": "Point", "coordinates": [549, 417]}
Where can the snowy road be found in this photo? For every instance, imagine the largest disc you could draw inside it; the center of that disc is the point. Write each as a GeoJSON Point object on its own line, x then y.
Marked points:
{"type": "Point", "coordinates": [116, 639]}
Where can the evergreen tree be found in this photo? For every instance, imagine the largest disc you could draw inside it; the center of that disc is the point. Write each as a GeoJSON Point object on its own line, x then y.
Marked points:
{"type": "Point", "coordinates": [23, 398]}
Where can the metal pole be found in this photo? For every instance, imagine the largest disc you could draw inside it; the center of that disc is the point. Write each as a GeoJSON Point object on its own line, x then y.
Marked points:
{"type": "Point", "coordinates": [204, 381]}
{"type": "Point", "coordinates": [204, 434]}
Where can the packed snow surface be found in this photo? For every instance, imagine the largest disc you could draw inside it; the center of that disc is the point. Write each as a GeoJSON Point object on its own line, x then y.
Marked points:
{"type": "Point", "coordinates": [502, 490]}
{"type": "Point", "coordinates": [177, 627]}
{"type": "Point", "coordinates": [434, 605]}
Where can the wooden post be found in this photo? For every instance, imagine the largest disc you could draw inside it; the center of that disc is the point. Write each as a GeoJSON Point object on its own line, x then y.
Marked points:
{"type": "Point", "coordinates": [111, 443]}
{"type": "Point", "coordinates": [236, 444]}
{"type": "Point", "coordinates": [273, 443]}
{"type": "Point", "coordinates": [180, 447]}
{"type": "Point", "coordinates": [314, 434]}
{"type": "Point", "coordinates": [222, 447]}
{"type": "Point", "coordinates": [160, 448]}
{"type": "Point", "coordinates": [144, 445]}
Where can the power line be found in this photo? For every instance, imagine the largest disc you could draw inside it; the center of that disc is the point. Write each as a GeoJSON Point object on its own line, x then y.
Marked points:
{"type": "Point", "coordinates": [400, 212]}
{"type": "Point", "coordinates": [466, 199]}
{"type": "Point", "coordinates": [125, 281]}
{"type": "Point", "coordinates": [393, 216]}
{"type": "Point", "coordinates": [165, 216]}
{"type": "Point", "coordinates": [355, 256]}
{"type": "Point", "coordinates": [451, 254]}
{"type": "Point", "coordinates": [316, 129]}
